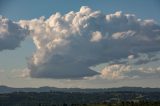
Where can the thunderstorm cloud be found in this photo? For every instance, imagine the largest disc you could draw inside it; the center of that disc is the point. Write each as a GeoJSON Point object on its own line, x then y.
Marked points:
{"type": "Point", "coordinates": [68, 45]}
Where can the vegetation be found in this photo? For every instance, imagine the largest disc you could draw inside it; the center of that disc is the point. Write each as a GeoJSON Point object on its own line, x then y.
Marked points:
{"type": "Point", "coordinates": [80, 99]}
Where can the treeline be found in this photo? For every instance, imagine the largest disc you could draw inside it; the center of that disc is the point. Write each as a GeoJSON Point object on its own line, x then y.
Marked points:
{"type": "Point", "coordinates": [80, 99]}
{"type": "Point", "coordinates": [122, 103]}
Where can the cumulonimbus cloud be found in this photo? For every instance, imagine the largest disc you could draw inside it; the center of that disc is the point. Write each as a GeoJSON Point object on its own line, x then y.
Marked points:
{"type": "Point", "coordinates": [67, 45]}
{"type": "Point", "coordinates": [11, 34]}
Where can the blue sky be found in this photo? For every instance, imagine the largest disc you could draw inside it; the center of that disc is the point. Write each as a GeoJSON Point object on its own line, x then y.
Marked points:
{"type": "Point", "coordinates": [13, 62]}
{"type": "Point", "coordinates": [29, 9]}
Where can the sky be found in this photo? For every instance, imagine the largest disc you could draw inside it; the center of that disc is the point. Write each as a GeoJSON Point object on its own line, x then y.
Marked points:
{"type": "Point", "coordinates": [84, 44]}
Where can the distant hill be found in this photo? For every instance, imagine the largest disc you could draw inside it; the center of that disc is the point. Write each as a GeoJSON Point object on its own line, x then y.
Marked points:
{"type": "Point", "coordinates": [5, 89]}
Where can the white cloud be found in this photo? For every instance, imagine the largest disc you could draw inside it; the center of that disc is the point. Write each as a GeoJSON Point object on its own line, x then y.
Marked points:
{"type": "Point", "coordinates": [67, 45]}
{"type": "Point", "coordinates": [130, 56]}
{"type": "Point", "coordinates": [149, 70]}
{"type": "Point", "coordinates": [11, 34]}
{"type": "Point", "coordinates": [123, 35]}
{"type": "Point", "coordinates": [115, 71]}
{"type": "Point", "coordinates": [122, 71]}
{"type": "Point", "coordinates": [96, 36]}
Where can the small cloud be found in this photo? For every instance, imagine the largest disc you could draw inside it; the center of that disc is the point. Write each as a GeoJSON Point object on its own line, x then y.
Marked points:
{"type": "Point", "coordinates": [122, 71]}
{"type": "Point", "coordinates": [11, 34]}
{"type": "Point", "coordinates": [130, 57]}
{"type": "Point", "coordinates": [123, 35]}
{"type": "Point", "coordinates": [96, 36]}
{"type": "Point", "coordinates": [149, 70]}
{"type": "Point", "coordinates": [115, 71]}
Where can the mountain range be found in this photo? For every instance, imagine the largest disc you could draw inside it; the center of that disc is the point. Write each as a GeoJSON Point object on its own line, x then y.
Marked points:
{"type": "Point", "coordinates": [6, 89]}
